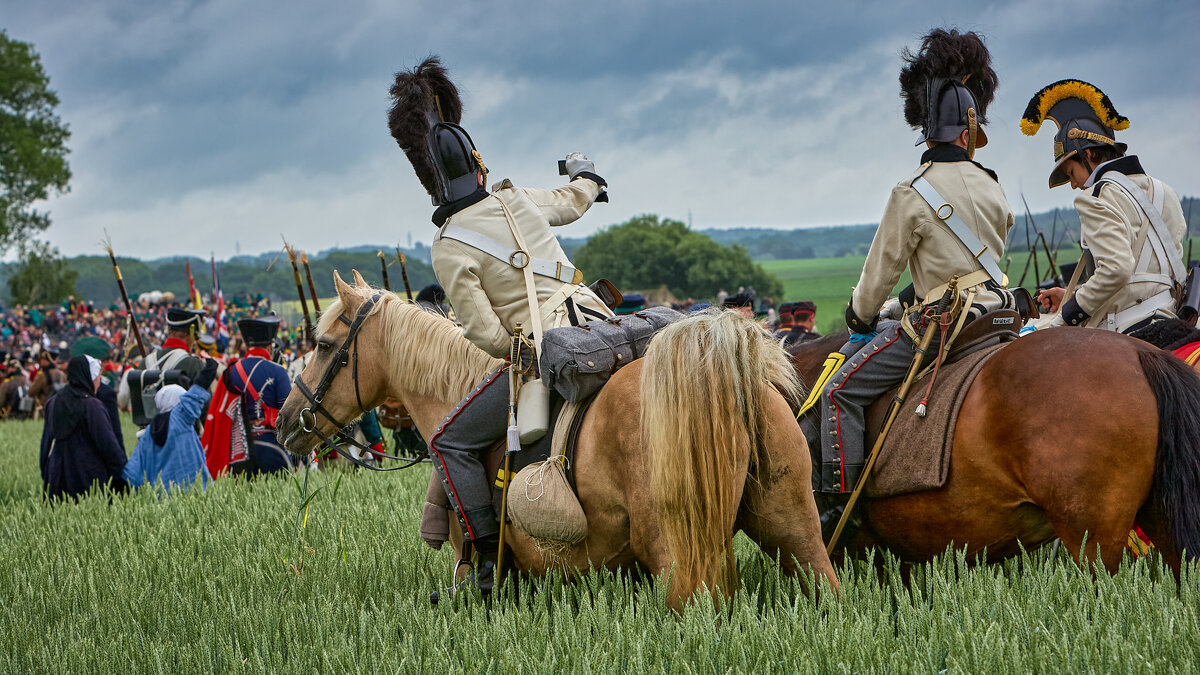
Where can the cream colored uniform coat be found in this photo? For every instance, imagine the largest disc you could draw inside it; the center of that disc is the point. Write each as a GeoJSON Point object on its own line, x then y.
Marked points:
{"type": "Point", "coordinates": [911, 235]}
{"type": "Point", "coordinates": [1110, 225]}
{"type": "Point", "coordinates": [488, 295]}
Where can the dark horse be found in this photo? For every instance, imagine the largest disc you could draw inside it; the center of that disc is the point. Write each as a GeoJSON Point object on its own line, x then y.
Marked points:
{"type": "Point", "coordinates": [1068, 433]}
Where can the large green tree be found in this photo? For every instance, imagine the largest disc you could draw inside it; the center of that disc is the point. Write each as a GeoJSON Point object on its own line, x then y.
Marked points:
{"type": "Point", "coordinates": [33, 150]}
{"type": "Point", "coordinates": [646, 253]}
{"type": "Point", "coordinates": [41, 277]}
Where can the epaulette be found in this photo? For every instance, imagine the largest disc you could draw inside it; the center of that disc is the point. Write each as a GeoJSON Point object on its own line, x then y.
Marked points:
{"type": "Point", "coordinates": [918, 173]}
{"type": "Point", "coordinates": [505, 184]}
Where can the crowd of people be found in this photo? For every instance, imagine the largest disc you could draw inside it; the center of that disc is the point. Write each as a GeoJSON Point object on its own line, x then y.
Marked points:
{"type": "Point", "coordinates": [67, 363]}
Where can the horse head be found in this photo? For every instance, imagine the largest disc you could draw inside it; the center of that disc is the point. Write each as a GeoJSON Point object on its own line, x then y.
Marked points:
{"type": "Point", "coordinates": [344, 378]}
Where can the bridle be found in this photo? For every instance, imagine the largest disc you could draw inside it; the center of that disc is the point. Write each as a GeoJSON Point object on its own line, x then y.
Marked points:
{"type": "Point", "coordinates": [341, 359]}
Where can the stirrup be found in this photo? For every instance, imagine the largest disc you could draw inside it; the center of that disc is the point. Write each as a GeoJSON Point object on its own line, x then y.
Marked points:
{"type": "Point", "coordinates": [482, 580]}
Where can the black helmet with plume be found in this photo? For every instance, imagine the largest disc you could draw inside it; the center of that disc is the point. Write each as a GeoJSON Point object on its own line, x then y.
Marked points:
{"type": "Point", "coordinates": [1085, 117]}
{"type": "Point", "coordinates": [947, 87]}
{"type": "Point", "coordinates": [424, 120]}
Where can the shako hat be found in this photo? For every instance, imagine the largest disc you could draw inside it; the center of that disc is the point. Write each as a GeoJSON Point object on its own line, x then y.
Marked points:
{"type": "Point", "coordinates": [804, 307]}
{"type": "Point", "coordinates": [632, 302]}
{"type": "Point", "coordinates": [182, 318]}
{"type": "Point", "coordinates": [260, 331]}
{"type": "Point", "coordinates": [786, 308]}
{"type": "Point", "coordinates": [738, 300]}
{"type": "Point", "coordinates": [424, 120]}
{"type": "Point", "coordinates": [1085, 117]}
{"type": "Point", "coordinates": [947, 87]}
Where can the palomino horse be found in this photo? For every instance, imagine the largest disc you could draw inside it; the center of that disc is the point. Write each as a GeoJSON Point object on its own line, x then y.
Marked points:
{"type": "Point", "coordinates": [1068, 432]}
{"type": "Point", "coordinates": [717, 448]}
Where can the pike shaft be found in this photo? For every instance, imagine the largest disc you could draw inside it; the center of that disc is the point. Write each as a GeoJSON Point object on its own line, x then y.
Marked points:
{"type": "Point", "coordinates": [404, 274]}
{"type": "Point", "coordinates": [312, 289]}
{"type": "Point", "coordinates": [133, 327]}
{"type": "Point", "coordinates": [387, 283]}
{"type": "Point", "coordinates": [308, 330]}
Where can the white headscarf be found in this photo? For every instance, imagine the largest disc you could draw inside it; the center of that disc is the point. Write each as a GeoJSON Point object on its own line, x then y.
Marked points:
{"type": "Point", "coordinates": [168, 397]}
{"type": "Point", "coordinates": [93, 366]}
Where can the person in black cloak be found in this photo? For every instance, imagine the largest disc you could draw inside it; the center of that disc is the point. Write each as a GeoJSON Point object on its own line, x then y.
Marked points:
{"type": "Point", "coordinates": [79, 448]}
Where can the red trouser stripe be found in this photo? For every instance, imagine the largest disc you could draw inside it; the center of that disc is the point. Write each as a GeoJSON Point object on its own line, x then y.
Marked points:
{"type": "Point", "coordinates": [447, 423]}
{"type": "Point", "coordinates": [837, 411]}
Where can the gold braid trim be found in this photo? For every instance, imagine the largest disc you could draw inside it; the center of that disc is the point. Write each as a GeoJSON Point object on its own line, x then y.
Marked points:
{"type": "Point", "coordinates": [1089, 135]}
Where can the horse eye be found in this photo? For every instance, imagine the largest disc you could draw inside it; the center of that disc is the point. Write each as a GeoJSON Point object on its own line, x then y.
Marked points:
{"type": "Point", "coordinates": [324, 346]}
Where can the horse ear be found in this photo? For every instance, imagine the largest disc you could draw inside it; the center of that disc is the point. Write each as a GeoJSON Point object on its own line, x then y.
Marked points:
{"type": "Point", "coordinates": [344, 290]}
{"type": "Point", "coordinates": [359, 281]}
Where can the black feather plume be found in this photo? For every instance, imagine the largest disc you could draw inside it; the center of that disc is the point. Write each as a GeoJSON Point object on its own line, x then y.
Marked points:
{"type": "Point", "coordinates": [951, 55]}
{"type": "Point", "coordinates": [419, 98]}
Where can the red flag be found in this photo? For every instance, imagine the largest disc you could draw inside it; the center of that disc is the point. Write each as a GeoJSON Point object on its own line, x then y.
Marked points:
{"type": "Point", "coordinates": [193, 294]}
{"type": "Point", "coordinates": [218, 299]}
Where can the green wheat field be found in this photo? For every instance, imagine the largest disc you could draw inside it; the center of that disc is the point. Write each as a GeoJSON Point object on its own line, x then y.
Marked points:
{"type": "Point", "coordinates": [217, 581]}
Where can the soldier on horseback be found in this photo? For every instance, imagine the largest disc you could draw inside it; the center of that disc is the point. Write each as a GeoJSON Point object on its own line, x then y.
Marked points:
{"type": "Point", "coordinates": [484, 244]}
{"type": "Point", "coordinates": [947, 220]}
{"type": "Point", "coordinates": [1131, 226]}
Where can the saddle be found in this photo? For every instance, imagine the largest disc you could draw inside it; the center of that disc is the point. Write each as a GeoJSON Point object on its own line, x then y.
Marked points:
{"type": "Point", "coordinates": [916, 454]}
{"type": "Point", "coordinates": [993, 328]}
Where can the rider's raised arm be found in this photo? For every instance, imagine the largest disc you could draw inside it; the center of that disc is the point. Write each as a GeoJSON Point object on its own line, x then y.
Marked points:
{"type": "Point", "coordinates": [569, 202]}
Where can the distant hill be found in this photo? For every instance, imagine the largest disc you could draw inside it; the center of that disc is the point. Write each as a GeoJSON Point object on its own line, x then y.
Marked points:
{"type": "Point", "coordinates": [270, 273]}
{"type": "Point", "coordinates": [1059, 227]}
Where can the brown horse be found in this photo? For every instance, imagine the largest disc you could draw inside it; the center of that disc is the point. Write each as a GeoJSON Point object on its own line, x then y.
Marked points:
{"type": "Point", "coordinates": [717, 448]}
{"type": "Point", "coordinates": [1064, 433]}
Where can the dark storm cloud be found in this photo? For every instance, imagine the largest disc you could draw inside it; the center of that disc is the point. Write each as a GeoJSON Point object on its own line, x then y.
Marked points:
{"type": "Point", "coordinates": [230, 120]}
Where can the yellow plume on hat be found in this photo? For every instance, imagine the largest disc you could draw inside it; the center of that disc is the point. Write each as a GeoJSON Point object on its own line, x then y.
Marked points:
{"type": "Point", "coordinates": [1040, 105]}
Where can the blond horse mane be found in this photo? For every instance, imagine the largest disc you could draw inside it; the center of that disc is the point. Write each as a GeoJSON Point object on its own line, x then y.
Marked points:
{"type": "Point", "coordinates": [703, 385]}
{"type": "Point", "coordinates": [427, 354]}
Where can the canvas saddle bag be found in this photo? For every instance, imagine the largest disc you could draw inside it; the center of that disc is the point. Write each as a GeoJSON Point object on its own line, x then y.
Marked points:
{"type": "Point", "coordinates": [576, 361]}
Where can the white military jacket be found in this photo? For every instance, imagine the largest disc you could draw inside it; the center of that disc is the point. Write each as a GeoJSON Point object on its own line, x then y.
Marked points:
{"type": "Point", "coordinates": [1111, 224]}
{"type": "Point", "coordinates": [911, 235]}
{"type": "Point", "coordinates": [488, 293]}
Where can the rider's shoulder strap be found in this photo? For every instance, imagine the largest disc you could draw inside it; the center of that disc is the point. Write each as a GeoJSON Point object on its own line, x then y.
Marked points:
{"type": "Point", "coordinates": [1156, 234]}
{"type": "Point", "coordinates": [948, 214]}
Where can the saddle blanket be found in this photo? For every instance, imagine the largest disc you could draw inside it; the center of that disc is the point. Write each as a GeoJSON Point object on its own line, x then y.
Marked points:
{"type": "Point", "coordinates": [916, 454]}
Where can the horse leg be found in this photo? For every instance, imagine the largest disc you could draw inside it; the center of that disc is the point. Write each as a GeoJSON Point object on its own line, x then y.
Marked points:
{"type": "Point", "coordinates": [778, 511]}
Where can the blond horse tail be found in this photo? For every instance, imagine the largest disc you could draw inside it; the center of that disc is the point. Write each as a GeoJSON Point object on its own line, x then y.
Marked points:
{"type": "Point", "coordinates": [702, 383]}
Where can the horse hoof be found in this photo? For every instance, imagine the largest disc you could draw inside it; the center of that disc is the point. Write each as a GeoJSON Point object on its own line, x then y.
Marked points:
{"type": "Point", "coordinates": [434, 597]}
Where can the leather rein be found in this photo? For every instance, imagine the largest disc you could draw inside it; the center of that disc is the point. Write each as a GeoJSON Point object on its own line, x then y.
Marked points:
{"type": "Point", "coordinates": [341, 359]}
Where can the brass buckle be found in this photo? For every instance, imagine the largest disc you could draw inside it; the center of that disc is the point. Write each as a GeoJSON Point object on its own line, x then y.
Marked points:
{"type": "Point", "coordinates": [945, 206]}
{"type": "Point", "coordinates": [519, 254]}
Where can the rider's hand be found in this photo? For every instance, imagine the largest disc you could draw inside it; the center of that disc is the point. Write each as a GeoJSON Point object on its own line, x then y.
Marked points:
{"type": "Point", "coordinates": [1051, 299]}
{"type": "Point", "coordinates": [577, 163]}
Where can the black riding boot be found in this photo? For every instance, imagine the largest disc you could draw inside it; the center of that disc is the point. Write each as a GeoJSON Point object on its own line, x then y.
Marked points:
{"type": "Point", "coordinates": [830, 506]}
{"type": "Point", "coordinates": [484, 575]}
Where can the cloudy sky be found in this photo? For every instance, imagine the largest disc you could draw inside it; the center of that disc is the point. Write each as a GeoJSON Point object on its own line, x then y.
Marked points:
{"type": "Point", "coordinates": [203, 126]}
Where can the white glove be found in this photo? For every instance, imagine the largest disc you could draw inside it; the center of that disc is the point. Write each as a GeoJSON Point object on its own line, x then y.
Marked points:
{"type": "Point", "coordinates": [892, 310]}
{"type": "Point", "coordinates": [577, 163]}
